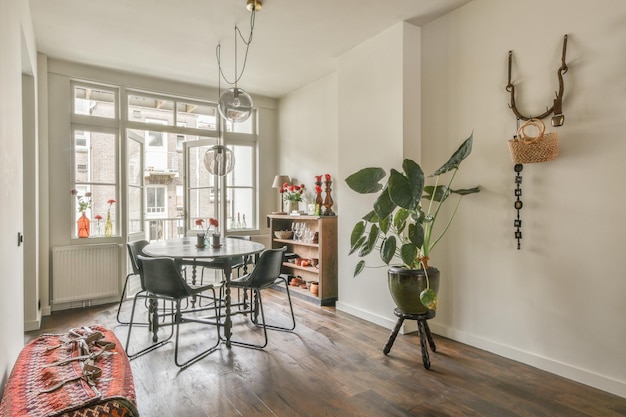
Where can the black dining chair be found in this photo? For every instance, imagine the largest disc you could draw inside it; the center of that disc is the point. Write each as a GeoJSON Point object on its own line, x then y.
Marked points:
{"type": "Point", "coordinates": [266, 274]}
{"type": "Point", "coordinates": [134, 249]}
{"type": "Point", "coordinates": [163, 281]}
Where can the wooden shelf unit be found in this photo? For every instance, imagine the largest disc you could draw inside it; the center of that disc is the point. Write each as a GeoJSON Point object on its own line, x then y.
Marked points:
{"type": "Point", "coordinates": [325, 250]}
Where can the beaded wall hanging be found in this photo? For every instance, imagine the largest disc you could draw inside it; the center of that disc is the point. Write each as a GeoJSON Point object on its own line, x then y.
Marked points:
{"type": "Point", "coordinates": [541, 148]}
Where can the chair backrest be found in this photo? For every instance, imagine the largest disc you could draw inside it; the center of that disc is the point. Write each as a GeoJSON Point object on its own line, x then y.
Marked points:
{"type": "Point", "coordinates": [161, 276]}
{"type": "Point", "coordinates": [268, 267]}
{"type": "Point", "coordinates": [135, 249]}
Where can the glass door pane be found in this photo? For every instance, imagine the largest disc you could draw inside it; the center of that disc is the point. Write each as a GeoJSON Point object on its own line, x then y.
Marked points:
{"type": "Point", "coordinates": [134, 170]}
{"type": "Point", "coordinates": [203, 196]}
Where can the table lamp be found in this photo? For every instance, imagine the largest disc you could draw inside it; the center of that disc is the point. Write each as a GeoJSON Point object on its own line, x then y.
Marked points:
{"type": "Point", "coordinates": [279, 180]}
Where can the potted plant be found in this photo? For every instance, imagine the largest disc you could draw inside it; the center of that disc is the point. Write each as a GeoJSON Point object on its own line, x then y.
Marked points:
{"type": "Point", "coordinates": [400, 226]}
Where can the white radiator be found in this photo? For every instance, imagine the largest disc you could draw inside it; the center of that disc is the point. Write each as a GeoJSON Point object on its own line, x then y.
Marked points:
{"type": "Point", "coordinates": [264, 239]}
{"type": "Point", "coordinates": [85, 272]}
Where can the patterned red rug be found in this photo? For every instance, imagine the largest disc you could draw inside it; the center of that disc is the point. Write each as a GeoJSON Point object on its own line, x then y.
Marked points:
{"type": "Point", "coordinates": [81, 373]}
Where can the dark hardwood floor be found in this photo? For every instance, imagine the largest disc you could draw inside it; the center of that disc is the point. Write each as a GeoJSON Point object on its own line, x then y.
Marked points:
{"type": "Point", "coordinates": [333, 365]}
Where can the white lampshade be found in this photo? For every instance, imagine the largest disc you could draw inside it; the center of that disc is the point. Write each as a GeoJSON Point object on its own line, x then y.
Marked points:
{"type": "Point", "coordinates": [219, 160]}
{"type": "Point", "coordinates": [279, 180]}
{"type": "Point", "coordinates": [235, 105]}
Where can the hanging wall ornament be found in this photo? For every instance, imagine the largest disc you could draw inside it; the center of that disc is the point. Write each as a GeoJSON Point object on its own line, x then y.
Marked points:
{"type": "Point", "coordinates": [517, 223]}
{"type": "Point", "coordinates": [557, 107]}
{"type": "Point", "coordinates": [527, 148]}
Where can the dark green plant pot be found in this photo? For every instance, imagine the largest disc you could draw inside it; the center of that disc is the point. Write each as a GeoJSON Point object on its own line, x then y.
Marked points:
{"type": "Point", "coordinates": [405, 286]}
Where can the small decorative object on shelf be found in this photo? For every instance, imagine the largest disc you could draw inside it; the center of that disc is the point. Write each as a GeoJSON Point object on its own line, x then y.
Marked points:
{"type": "Point", "coordinates": [292, 194]}
{"type": "Point", "coordinates": [98, 217]}
{"type": "Point", "coordinates": [83, 226]}
{"type": "Point", "coordinates": [108, 225]}
{"type": "Point", "coordinates": [328, 201]}
{"type": "Point", "coordinates": [319, 201]}
{"type": "Point", "coordinates": [84, 204]}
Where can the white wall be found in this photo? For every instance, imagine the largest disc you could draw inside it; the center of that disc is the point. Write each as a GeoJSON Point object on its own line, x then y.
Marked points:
{"type": "Point", "coordinates": [557, 303]}
{"type": "Point", "coordinates": [378, 115]}
{"type": "Point", "coordinates": [18, 54]}
{"type": "Point", "coordinates": [308, 136]}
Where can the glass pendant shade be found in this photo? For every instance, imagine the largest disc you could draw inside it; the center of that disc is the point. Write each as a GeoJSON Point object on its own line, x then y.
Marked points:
{"type": "Point", "coordinates": [219, 160]}
{"type": "Point", "coordinates": [235, 105]}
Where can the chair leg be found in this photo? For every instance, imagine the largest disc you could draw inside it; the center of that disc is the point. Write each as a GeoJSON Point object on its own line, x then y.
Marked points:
{"type": "Point", "coordinates": [153, 326]}
{"type": "Point", "coordinates": [180, 319]}
{"type": "Point", "coordinates": [258, 306]}
{"type": "Point", "coordinates": [257, 294]}
{"type": "Point", "coordinates": [293, 317]}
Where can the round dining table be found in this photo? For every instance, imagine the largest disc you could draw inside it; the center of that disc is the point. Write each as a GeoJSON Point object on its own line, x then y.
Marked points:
{"type": "Point", "coordinates": [185, 250]}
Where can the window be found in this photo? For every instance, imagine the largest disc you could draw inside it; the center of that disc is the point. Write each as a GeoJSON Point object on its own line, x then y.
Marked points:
{"type": "Point", "coordinates": [96, 173]}
{"type": "Point", "coordinates": [95, 152]}
{"type": "Point", "coordinates": [241, 189]}
{"type": "Point", "coordinates": [155, 199]}
{"type": "Point", "coordinates": [165, 182]}
{"type": "Point", "coordinates": [90, 100]}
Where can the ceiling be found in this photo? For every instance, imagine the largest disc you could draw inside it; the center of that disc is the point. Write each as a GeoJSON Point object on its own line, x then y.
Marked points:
{"type": "Point", "coordinates": [295, 41]}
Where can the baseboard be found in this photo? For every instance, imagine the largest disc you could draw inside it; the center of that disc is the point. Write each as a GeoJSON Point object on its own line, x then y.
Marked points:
{"type": "Point", "coordinates": [565, 370]}
{"type": "Point", "coordinates": [32, 325]}
{"type": "Point", "coordinates": [365, 315]}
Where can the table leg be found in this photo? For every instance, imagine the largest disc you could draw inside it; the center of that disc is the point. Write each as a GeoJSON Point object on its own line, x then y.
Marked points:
{"type": "Point", "coordinates": [227, 320]}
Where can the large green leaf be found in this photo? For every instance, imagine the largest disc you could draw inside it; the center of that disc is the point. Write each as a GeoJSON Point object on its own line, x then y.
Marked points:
{"type": "Point", "coordinates": [367, 248]}
{"type": "Point", "coordinates": [357, 232]}
{"type": "Point", "coordinates": [416, 234]}
{"type": "Point", "coordinates": [385, 224]}
{"type": "Point", "coordinates": [383, 206]}
{"type": "Point", "coordinates": [406, 189]}
{"type": "Point", "coordinates": [408, 252]}
{"type": "Point", "coordinates": [388, 249]}
{"type": "Point", "coordinates": [358, 244]}
{"type": "Point", "coordinates": [466, 191]}
{"type": "Point", "coordinates": [399, 220]}
{"type": "Point", "coordinates": [439, 193]}
{"type": "Point", "coordinates": [371, 217]}
{"type": "Point", "coordinates": [455, 160]}
{"type": "Point", "coordinates": [359, 267]}
{"type": "Point", "coordinates": [367, 180]}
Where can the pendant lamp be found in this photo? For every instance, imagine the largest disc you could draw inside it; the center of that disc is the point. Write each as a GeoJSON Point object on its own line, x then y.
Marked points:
{"type": "Point", "coordinates": [235, 105]}
{"type": "Point", "coordinates": [219, 160]}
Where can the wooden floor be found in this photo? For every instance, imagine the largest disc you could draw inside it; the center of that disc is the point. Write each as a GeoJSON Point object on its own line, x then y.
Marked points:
{"type": "Point", "coordinates": [333, 365]}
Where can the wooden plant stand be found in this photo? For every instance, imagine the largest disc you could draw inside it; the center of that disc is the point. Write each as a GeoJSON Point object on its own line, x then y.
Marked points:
{"type": "Point", "coordinates": [423, 329]}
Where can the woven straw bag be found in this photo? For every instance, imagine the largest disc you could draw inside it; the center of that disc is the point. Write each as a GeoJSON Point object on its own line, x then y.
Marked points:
{"type": "Point", "coordinates": [527, 149]}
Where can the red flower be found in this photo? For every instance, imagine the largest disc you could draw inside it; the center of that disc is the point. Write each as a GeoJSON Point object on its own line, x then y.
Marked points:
{"type": "Point", "coordinates": [199, 222]}
{"type": "Point", "coordinates": [318, 189]}
{"type": "Point", "coordinates": [327, 177]}
{"type": "Point", "coordinates": [213, 222]}
{"type": "Point", "coordinates": [318, 178]}
{"type": "Point", "coordinates": [98, 217]}
{"type": "Point", "coordinates": [111, 201]}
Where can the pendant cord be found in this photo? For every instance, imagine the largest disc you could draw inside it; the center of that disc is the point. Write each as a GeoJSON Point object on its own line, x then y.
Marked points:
{"type": "Point", "coordinates": [245, 60]}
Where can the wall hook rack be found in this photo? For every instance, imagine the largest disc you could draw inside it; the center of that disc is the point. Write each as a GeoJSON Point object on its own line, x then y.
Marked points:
{"type": "Point", "coordinates": [557, 107]}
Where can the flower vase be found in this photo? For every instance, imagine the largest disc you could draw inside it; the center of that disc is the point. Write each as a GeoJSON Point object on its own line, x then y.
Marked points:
{"type": "Point", "coordinates": [215, 241]}
{"type": "Point", "coordinates": [328, 201]}
{"type": "Point", "coordinates": [288, 206]}
{"type": "Point", "coordinates": [319, 201]}
{"type": "Point", "coordinates": [83, 226]}
{"type": "Point", "coordinates": [108, 226]}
